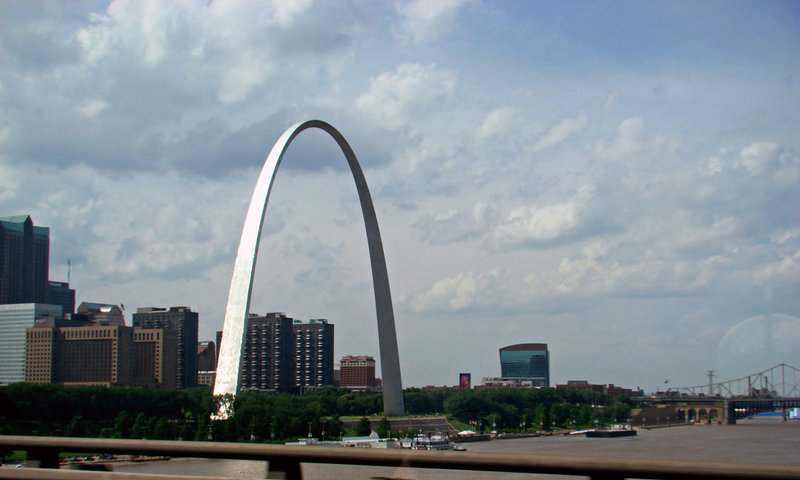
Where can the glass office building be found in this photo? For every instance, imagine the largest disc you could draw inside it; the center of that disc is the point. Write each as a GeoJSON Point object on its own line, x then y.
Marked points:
{"type": "Point", "coordinates": [529, 361]}
{"type": "Point", "coordinates": [14, 319]}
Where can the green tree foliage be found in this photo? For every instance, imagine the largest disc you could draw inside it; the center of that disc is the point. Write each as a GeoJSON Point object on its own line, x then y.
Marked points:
{"type": "Point", "coordinates": [384, 428]}
{"type": "Point", "coordinates": [364, 427]}
{"type": "Point", "coordinates": [36, 409]}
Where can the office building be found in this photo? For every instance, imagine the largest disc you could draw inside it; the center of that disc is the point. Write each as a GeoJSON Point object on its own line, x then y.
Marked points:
{"type": "Point", "coordinates": [267, 353]}
{"type": "Point", "coordinates": [75, 351]}
{"type": "Point", "coordinates": [14, 320]}
{"type": "Point", "coordinates": [24, 261]}
{"type": "Point", "coordinates": [84, 355]}
{"type": "Point", "coordinates": [526, 361]}
{"type": "Point", "coordinates": [219, 345]}
{"type": "Point", "coordinates": [184, 322]}
{"type": "Point", "coordinates": [206, 356]}
{"type": "Point", "coordinates": [206, 363]}
{"type": "Point", "coordinates": [155, 358]}
{"type": "Point", "coordinates": [313, 353]}
{"type": "Point", "coordinates": [206, 378]}
{"type": "Point", "coordinates": [61, 294]}
{"type": "Point", "coordinates": [357, 372]}
{"type": "Point", "coordinates": [102, 313]}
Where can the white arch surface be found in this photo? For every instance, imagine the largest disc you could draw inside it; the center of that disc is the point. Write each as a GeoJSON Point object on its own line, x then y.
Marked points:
{"type": "Point", "coordinates": [233, 330]}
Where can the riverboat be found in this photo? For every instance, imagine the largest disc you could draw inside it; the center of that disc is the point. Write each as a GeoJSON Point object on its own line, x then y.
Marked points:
{"type": "Point", "coordinates": [436, 441]}
{"type": "Point", "coordinates": [613, 432]}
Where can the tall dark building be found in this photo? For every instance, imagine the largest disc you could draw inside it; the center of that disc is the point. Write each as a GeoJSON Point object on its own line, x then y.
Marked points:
{"type": "Point", "coordinates": [529, 361]}
{"type": "Point", "coordinates": [286, 355]}
{"type": "Point", "coordinates": [184, 322]}
{"type": "Point", "coordinates": [24, 261]}
{"type": "Point", "coordinates": [313, 353]}
{"type": "Point", "coordinates": [267, 355]}
{"type": "Point", "coordinates": [61, 294]}
{"type": "Point", "coordinates": [206, 357]}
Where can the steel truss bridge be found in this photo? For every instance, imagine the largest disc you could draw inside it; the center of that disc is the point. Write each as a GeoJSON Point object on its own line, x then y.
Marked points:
{"type": "Point", "coordinates": [782, 381]}
{"type": "Point", "coordinates": [776, 388]}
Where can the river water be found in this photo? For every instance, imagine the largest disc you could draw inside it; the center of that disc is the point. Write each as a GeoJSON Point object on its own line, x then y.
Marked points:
{"type": "Point", "coordinates": [754, 441]}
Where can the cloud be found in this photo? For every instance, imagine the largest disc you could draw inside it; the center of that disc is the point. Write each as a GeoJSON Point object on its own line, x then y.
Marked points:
{"type": "Point", "coordinates": [463, 292]}
{"type": "Point", "coordinates": [395, 98]}
{"type": "Point", "coordinates": [422, 21]}
{"type": "Point", "coordinates": [757, 157]}
{"type": "Point", "coordinates": [500, 123]}
{"type": "Point", "coordinates": [142, 76]}
{"type": "Point", "coordinates": [562, 131]}
{"type": "Point", "coordinates": [455, 225]}
{"type": "Point", "coordinates": [539, 226]}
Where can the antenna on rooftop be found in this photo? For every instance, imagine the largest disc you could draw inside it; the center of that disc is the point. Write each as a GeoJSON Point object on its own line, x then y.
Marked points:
{"type": "Point", "coordinates": [69, 268]}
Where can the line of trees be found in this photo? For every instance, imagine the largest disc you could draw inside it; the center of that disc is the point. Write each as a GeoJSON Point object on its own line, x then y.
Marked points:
{"type": "Point", "coordinates": [127, 412]}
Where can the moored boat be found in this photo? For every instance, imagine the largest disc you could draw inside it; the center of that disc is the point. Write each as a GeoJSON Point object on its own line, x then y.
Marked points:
{"type": "Point", "coordinates": [614, 431]}
{"type": "Point", "coordinates": [436, 441]}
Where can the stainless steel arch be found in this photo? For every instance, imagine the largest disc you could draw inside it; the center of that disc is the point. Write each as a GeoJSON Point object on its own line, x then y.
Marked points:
{"type": "Point", "coordinates": [228, 366]}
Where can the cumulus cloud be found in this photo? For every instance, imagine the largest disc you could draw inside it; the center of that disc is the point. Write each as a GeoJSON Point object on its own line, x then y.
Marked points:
{"type": "Point", "coordinates": [422, 21]}
{"type": "Point", "coordinates": [500, 122]}
{"type": "Point", "coordinates": [562, 131]}
{"type": "Point", "coordinates": [395, 98]}
{"type": "Point", "coordinates": [455, 225]}
{"type": "Point", "coordinates": [757, 157]}
{"type": "Point", "coordinates": [532, 226]}
{"type": "Point", "coordinates": [465, 291]}
{"type": "Point", "coordinates": [155, 72]}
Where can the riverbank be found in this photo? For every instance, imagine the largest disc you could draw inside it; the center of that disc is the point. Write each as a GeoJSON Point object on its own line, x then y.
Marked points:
{"type": "Point", "coordinates": [752, 441]}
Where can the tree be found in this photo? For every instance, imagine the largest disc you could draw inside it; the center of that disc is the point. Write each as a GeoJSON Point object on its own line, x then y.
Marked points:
{"type": "Point", "coordinates": [139, 429]}
{"type": "Point", "coordinates": [364, 427]}
{"type": "Point", "coordinates": [384, 428]}
{"type": "Point", "coordinates": [122, 425]}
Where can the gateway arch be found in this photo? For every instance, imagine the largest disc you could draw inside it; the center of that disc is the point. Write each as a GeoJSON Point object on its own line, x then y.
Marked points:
{"type": "Point", "coordinates": [228, 366]}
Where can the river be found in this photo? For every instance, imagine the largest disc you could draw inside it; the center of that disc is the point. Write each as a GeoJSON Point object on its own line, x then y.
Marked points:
{"type": "Point", "coordinates": [756, 441]}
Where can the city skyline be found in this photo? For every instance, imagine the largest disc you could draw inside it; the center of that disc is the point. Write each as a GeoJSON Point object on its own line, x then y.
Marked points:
{"type": "Point", "coordinates": [616, 180]}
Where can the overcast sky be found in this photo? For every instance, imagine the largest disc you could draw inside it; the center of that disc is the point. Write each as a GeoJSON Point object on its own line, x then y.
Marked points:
{"type": "Point", "coordinates": [619, 180]}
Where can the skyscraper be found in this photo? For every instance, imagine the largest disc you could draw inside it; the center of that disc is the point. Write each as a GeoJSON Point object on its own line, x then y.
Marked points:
{"type": "Point", "coordinates": [530, 361]}
{"type": "Point", "coordinates": [286, 355]}
{"type": "Point", "coordinates": [313, 353]}
{"type": "Point", "coordinates": [184, 322]}
{"type": "Point", "coordinates": [267, 354]}
{"type": "Point", "coordinates": [24, 261]}
{"type": "Point", "coordinates": [61, 294]}
{"type": "Point", "coordinates": [14, 320]}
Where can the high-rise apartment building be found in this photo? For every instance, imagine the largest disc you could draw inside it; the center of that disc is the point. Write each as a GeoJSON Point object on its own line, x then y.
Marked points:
{"type": "Point", "coordinates": [14, 320]}
{"type": "Point", "coordinates": [24, 261]}
{"type": "Point", "coordinates": [267, 354]}
{"type": "Point", "coordinates": [530, 361]}
{"type": "Point", "coordinates": [286, 355]}
{"type": "Point", "coordinates": [184, 322]}
{"type": "Point", "coordinates": [357, 372]}
{"type": "Point", "coordinates": [313, 353]}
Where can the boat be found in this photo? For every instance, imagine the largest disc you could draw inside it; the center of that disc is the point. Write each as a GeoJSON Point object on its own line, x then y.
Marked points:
{"type": "Point", "coordinates": [613, 432]}
{"type": "Point", "coordinates": [436, 441]}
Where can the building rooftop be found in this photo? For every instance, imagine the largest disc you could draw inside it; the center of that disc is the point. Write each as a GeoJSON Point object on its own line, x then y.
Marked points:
{"type": "Point", "coordinates": [525, 347]}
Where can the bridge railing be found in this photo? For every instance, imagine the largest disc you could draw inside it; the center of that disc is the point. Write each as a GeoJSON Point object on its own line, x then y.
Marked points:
{"type": "Point", "coordinates": [285, 461]}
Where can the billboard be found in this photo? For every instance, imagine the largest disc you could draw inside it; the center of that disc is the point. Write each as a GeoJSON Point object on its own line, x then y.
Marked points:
{"type": "Point", "coordinates": [465, 380]}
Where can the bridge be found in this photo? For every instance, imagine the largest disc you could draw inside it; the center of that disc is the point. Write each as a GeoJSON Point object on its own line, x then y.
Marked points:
{"type": "Point", "coordinates": [774, 389]}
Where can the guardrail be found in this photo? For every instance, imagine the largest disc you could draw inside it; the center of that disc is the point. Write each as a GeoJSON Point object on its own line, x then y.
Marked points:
{"type": "Point", "coordinates": [285, 461]}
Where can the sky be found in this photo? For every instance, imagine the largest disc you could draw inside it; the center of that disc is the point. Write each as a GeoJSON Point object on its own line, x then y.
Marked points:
{"type": "Point", "coordinates": [619, 180]}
